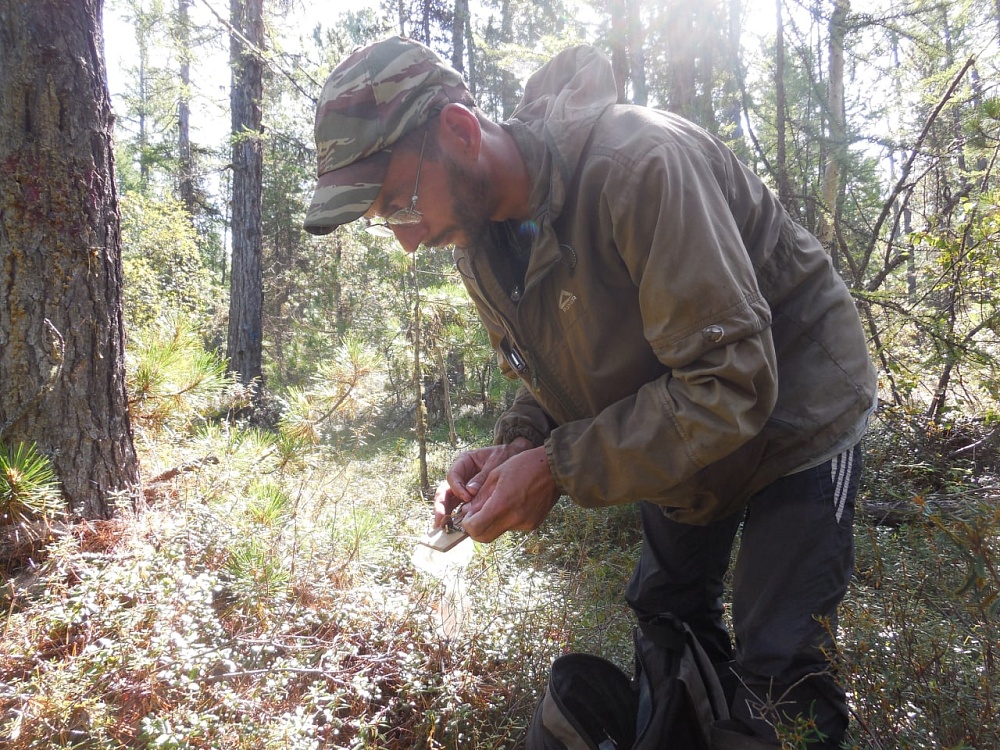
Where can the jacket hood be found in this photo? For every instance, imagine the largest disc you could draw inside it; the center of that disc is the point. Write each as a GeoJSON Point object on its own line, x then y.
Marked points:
{"type": "Point", "coordinates": [552, 124]}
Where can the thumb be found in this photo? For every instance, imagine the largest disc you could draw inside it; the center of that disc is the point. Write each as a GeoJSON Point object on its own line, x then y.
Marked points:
{"type": "Point", "coordinates": [475, 484]}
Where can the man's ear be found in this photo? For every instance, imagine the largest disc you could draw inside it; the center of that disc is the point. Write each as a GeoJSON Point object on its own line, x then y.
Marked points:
{"type": "Point", "coordinates": [460, 133]}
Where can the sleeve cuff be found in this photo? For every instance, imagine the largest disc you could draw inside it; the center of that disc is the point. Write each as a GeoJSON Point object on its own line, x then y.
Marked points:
{"type": "Point", "coordinates": [506, 435]}
{"type": "Point", "coordinates": [550, 457]}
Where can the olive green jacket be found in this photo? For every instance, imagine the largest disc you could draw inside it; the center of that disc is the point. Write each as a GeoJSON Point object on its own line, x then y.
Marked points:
{"type": "Point", "coordinates": [679, 338]}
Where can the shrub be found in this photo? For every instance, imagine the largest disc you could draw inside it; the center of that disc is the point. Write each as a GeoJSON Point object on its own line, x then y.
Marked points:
{"type": "Point", "coordinates": [165, 275]}
{"type": "Point", "coordinates": [29, 490]}
{"type": "Point", "coordinates": [172, 381]}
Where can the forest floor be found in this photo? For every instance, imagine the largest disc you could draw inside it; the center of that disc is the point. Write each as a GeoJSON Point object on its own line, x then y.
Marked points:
{"type": "Point", "coordinates": [266, 599]}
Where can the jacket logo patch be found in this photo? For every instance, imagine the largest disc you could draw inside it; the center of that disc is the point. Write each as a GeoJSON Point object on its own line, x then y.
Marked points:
{"type": "Point", "coordinates": [566, 300]}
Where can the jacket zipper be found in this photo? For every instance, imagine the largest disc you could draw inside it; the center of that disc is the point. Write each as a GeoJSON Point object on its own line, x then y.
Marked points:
{"type": "Point", "coordinates": [519, 357]}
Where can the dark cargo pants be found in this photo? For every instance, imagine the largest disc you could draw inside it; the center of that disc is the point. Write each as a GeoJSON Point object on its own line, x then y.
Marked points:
{"type": "Point", "coordinates": [795, 561]}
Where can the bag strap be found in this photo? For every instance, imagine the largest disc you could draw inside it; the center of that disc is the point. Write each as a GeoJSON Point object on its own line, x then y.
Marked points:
{"type": "Point", "coordinates": [666, 631]}
{"type": "Point", "coordinates": [692, 674]}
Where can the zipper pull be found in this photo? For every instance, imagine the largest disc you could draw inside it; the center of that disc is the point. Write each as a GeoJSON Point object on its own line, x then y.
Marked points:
{"type": "Point", "coordinates": [514, 358]}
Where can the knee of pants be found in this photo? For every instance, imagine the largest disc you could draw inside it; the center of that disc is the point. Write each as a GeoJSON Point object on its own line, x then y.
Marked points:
{"type": "Point", "coordinates": [681, 568]}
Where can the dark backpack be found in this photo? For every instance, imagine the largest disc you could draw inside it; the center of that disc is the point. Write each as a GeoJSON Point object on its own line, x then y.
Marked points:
{"type": "Point", "coordinates": [672, 701]}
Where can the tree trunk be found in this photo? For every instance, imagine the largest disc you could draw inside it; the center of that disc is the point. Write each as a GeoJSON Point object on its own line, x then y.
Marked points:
{"type": "Point", "coordinates": [185, 186]}
{"type": "Point", "coordinates": [62, 338]}
{"type": "Point", "coordinates": [628, 60]}
{"type": "Point", "coordinates": [781, 115]}
{"type": "Point", "coordinates": [636, 52]}
{"type": "Point", "coordinates": [731, 85]}
{"type": "Point", "coordinates": [692, 39]}
{"type": "Point", "coordinates": [682, 72]}
{"type": "Point", "coordinates": [142, 30]}
{"type": "Point", "coordinates": [425, 21]}
{"type": "Point", "coordinates": [836, 131]}
{"type": "Point", "coordinates": [510, 86]}
{"type": "Point", "coordinates": [619, 47]}
{"type": "Point", "coordinates": [449, 411]}
{"type": "Point", "coordinates": [421, 414]}
{"type": "Point", "coordinates": [459, 23]}
{"type": "Point", "coordinates": [246, 301]}
{"type": "Point", "coordinates": [911, 260]}
{"type": "Point", "coordinates": [471, 75]}
{"type": "Point", "coordinates": [401, 16]}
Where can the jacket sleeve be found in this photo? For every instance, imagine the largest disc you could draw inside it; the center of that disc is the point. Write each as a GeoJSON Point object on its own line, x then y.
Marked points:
{"type": "Point", "coordinates": [704, 317]}
{"type": "Point", "coordinates": [525, 418]}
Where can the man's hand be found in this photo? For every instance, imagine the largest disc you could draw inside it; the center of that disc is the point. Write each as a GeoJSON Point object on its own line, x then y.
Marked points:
{"type": "Point", "coordinates": [468, 474]}
{"type": "Point", "coordinates": [517, 494]}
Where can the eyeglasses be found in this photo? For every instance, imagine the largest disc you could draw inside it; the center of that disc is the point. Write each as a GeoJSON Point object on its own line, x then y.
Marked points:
{"type": "Point", "coordinates": [404, 217]}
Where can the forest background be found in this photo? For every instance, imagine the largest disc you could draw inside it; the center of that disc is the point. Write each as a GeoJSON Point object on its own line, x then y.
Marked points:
{"type": "Point", "coordinates": [251, 585]}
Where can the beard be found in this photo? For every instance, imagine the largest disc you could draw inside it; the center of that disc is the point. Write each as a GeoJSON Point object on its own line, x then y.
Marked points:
{"type": "Point", "coordinates": [472, 204]}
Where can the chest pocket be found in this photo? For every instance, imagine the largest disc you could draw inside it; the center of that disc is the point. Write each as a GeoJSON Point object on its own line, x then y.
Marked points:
{"type": "Point", "coordinates": [560, 307]}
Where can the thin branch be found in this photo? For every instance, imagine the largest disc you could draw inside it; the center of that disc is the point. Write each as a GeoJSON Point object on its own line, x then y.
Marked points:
{"type": "Point", "coordinates": [185, 467]}
{"type": "Point", "coordinates": [264, 57]}
{"type": "Point", "coordinates": [876, 282]}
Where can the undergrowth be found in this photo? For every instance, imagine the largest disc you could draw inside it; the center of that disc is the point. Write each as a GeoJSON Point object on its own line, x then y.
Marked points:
{"type": "Point", "coordinates": [264, 597]}
{"type": "Point", "coordinates": [919, 629]}
{"type": "Point", "coordinates": [251, 605]}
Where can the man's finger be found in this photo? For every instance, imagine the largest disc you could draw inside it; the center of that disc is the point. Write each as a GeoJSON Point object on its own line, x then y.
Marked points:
{"type": "Point", "coordinates": [480, 528]}
{"type": "Point", "coordinates": [477, 482]}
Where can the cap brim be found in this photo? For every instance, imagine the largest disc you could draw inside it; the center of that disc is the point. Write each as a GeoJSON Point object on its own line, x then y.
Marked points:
{"type": "Point", "coordinates": [344, 195]}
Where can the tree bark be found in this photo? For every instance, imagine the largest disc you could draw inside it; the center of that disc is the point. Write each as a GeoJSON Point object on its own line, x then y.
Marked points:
{"type": "Point", "coordinates": [246, 302]}
{"type": "Point", "coordinates": [62, 338]}
{"type": "Point", "coordinates": [692, 39]}
{"type": "Point", "coordinates": [781, 116]}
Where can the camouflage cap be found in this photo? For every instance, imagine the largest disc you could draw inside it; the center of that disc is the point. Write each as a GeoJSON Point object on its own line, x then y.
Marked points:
{"type": "Point", "coordinates": [371, 100]}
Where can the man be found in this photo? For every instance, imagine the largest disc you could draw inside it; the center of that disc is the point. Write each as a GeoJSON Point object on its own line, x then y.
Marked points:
{"type": "Point", "coordinates": [682, 344]}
